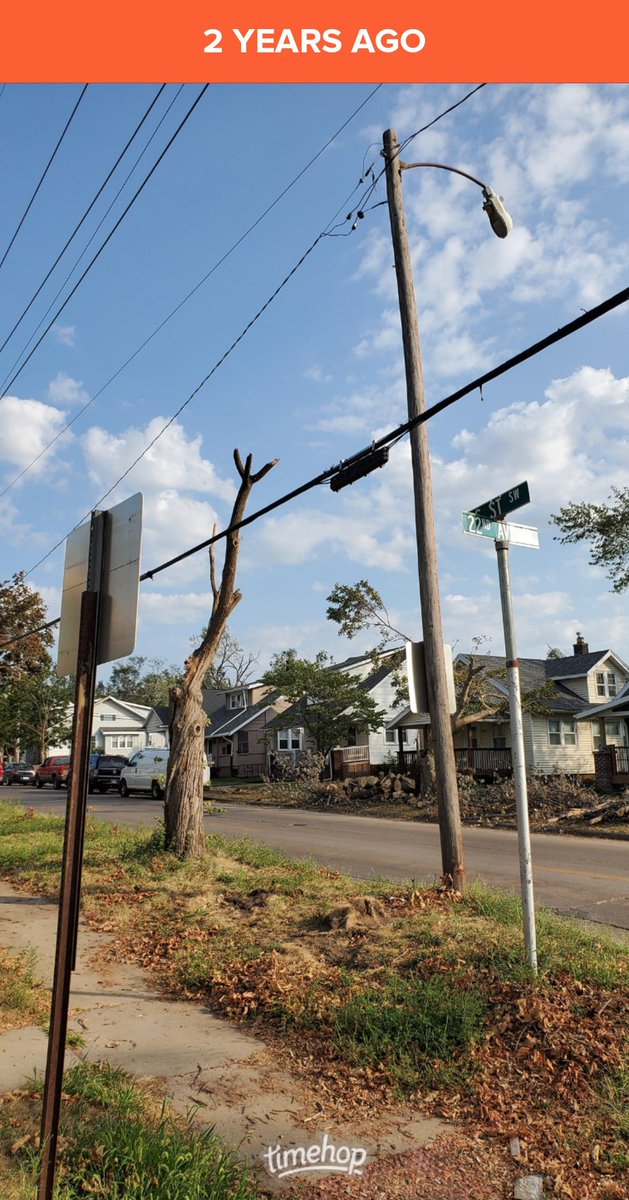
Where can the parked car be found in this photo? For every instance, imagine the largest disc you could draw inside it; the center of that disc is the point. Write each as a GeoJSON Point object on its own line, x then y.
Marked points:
{"type": "Point", "coordinates": [105, 771]}
{"type": "Point", "coordinates": [53, 770]}
{"type": "Point", "coordinates": [18, 772]}
{"type": "Point", "coordinates": [145, 772]}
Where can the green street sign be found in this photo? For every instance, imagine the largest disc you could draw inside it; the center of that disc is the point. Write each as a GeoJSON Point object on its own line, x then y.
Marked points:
{"type": "Point", "coordinates": [496, 509]}
{"type": "Point", "coordinates": [480, 526]}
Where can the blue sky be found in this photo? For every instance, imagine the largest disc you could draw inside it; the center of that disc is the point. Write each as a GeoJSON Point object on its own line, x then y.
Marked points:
{"type": "Point", "coordinates": [321, 372]}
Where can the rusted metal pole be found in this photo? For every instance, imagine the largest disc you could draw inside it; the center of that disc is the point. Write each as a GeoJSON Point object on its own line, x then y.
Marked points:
{"type": "Point", "coordinates": [70, 891]}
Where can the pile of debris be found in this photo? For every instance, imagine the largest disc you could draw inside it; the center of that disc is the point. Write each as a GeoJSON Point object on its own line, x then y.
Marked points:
{"type": "Point", "coordinates": [555, 802]}
{"type": "Point", "coordinates": [359, 790]}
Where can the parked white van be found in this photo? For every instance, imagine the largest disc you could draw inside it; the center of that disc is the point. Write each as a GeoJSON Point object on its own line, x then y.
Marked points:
{"type": "Point", "coordinates": [146, 772]}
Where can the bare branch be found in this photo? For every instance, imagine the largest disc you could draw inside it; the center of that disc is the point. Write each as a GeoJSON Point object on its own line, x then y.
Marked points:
{"type": "Point", "coordinates": [264, 471]}
{"type": "Point", "coordinates": [213, 583]}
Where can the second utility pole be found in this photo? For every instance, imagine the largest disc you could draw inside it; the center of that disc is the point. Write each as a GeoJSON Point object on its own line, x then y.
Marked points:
{"type": "Point", "coordinates": [441, 727]}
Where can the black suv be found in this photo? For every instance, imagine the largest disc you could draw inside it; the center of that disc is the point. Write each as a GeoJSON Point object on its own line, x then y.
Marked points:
{"type": "Point", "coordinates": [104, 772]}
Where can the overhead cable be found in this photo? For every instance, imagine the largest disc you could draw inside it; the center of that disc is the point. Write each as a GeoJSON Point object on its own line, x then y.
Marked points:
{"type": "Point", "coordinates": [393, 436]}
{"type": "Point", "coordinates": [89, 241]}
{"type": "Point", "coordinates": [83, 218]}
{"type": "Point", "coordinates": [234, 246]}
{"type": "Point", "coordinates": [44, 173]}
{"type": "Point", "coordinates": [111, 233]}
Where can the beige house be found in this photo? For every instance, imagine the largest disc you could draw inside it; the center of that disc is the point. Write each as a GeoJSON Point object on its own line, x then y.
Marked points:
{"type": "Point", "coordinates": [562, 742]}
{"type": "Point", "coordinates": [238, 740]}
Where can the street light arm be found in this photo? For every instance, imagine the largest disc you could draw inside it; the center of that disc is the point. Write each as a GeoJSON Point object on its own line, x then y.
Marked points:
{"type": "Point", "coordinates": [499, 219]}
{"type": "Point", "coordinates": [442, 167]}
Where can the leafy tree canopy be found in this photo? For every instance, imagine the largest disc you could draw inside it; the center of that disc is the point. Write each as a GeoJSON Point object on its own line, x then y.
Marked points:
{"type": "Point", "coordinates": [606, 527]}
{"type": "Point", "coordinates": [329, 703]}
{"type": "Point", "coordinates": [357, 607]}
{"type": "Point", "coordinates": [21, 609]}
{"type": "Point", "coordinates": [129, 680]}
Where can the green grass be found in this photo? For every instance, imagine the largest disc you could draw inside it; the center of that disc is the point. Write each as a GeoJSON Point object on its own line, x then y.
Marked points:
{"type": "Point", "coordinates": [488, 932]}
{"type": "Point", "coordinates": [423, 1029]}
{"type": "Point", "coordinates": [120, 1144]}
{"type": "Point", "coordinates": [22, 1000]}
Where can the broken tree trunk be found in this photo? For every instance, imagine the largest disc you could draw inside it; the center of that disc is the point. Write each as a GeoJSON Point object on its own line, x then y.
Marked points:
{"type": "Point", "coordinates": [183, 807]}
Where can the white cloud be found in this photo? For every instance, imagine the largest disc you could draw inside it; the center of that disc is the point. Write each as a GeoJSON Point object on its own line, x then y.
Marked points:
{"type": "Point", "coordinates": [555, 144]}
{"type": "Point", "coordinates": [316, 374]}
{"type": "Point", "coordinates": [66, 334]}
{"type": "Point", "coordinates": [174, 462]}
{"type": "Point", "coordinates": [27, 427]}
{"type": "Point", "coordinates": [190, 610]}
{"type": "Point", "coordinates": [357, 533]}
{"type": "Point", "coordinates": [63, 389]}
{"type": "Point", "coordinates": [172, 523]}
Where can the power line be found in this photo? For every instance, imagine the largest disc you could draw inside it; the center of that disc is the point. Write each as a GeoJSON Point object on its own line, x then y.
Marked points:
{"type": "Point", "coordinates": [91, 239]}
{"type": "Point", "coordinates": [83, 218]}
{"type": "Point", "coordinates": [393, 436]}
{"type": "Point", "coordinates": [44, 174]}
{"type": "Point", "coordinates": [109, 236]}
{"type": "Point", "coordinates": [192, 291]}
{"type": "Point", "coordinates": [31, 633]}
{"type": "Point", "coordinates": [325, 233]}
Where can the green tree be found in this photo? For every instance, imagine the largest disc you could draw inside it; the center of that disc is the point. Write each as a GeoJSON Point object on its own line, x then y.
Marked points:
{"type": "Point", "coordinates": [329, 703]}
{"type": "Point", "coordinates": [42, 716]}
{"type": "Point", "coordinates": [130, 681]}
{"type": "Point", "coordinates": [358, 607]}
{"type": "Point", "coordinates": [606, 527]}
{"type": "Point", "coordinates": [22, 609]}
{"type": "Point", "coordinates": [23, 652]}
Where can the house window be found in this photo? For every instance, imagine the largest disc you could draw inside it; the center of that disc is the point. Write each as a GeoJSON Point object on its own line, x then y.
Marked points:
{"type": "Point", "coordinates": [242, 743]}
{"type": "Point", "coordinates": [289, 739]}
{"type": "Point", "coordinates": [123, 742]}
{"type": "Point", "coordinates": [237, 700]}
{"type": "Point", "coordinates": [606, 683]}
{"type": "Point", "coordinates": [391, 736]}
{"type": "Point", "coordinates": [500, 743]}
{"type": "Point", "coordinates": [614, 732]}
{"type": "Point", "coordinates": [562, 732]}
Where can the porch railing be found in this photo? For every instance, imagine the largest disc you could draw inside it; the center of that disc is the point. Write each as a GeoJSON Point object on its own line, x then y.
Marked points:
{"type": "Point", "coordinates": [621, 760]}
{"type": "Point", "coordinates": [484, 761]}
{"type": "Point", "coordinates": [355, 754]}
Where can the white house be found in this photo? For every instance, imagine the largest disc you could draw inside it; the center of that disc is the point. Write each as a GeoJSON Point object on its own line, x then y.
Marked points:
{"type": "Point", "coordinates": [120, 727]}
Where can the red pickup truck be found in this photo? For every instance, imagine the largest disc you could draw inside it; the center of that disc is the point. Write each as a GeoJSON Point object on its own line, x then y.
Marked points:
{"type": "Point", "coordinates": [53, 770]}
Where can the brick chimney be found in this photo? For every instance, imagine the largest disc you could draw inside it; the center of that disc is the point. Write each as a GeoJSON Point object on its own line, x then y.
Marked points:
{"type": "Point", "coordinates": [580, 646]}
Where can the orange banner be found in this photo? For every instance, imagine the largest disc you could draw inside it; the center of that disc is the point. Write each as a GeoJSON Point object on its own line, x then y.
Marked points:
{"type": "Point", "coordinates": [199, 41]}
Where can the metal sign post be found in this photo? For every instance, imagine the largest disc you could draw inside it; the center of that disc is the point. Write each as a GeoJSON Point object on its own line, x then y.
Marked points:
{"type": "Point", "coordinates": [486, 521]}
{"type": "Point", "coordinates": [98, 624]}
{"type": "Point", "coordinates": [70, 892]}
{"type": "Point", "coordinates": [517, 751]}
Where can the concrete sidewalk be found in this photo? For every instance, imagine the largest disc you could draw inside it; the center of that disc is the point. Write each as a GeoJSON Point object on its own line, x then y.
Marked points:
{"type": "Point", "coordinates": [241, 1090]}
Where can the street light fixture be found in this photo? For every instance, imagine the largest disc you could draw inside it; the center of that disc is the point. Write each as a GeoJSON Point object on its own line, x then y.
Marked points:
{"type": "Point", "coordinates": [499, 219]}
{"type": "Point", "coordinates": [450, 832]}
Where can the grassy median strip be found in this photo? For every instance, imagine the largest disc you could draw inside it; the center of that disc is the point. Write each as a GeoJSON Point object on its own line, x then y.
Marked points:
{"type": "Point", "coordinates": [384, 989]}
{"type": "Point", "coordinates": [117, 1141]}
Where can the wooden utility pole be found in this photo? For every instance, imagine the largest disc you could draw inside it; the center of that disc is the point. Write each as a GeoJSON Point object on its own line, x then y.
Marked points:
{"type": "Point", "coordinates": [441, 726]}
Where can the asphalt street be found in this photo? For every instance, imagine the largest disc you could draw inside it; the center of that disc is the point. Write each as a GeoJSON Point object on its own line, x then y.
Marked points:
{"type": "Point", "coordinates": [586, 877]}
